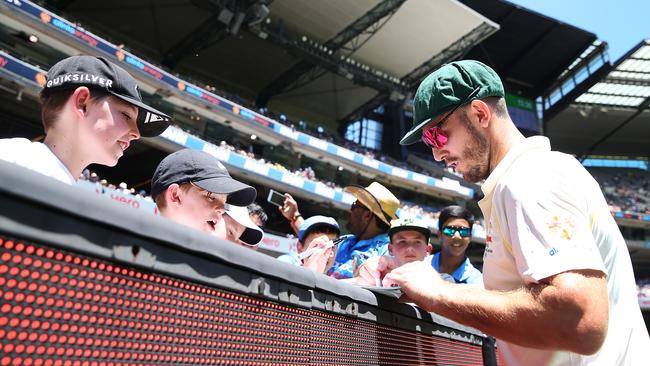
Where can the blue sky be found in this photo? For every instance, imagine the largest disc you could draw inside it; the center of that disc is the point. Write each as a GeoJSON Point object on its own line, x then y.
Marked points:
{"type": "Point", "coordinates": [620, 23]}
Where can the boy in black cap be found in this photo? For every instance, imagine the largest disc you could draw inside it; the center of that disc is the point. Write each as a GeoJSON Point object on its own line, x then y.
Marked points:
{"type": "Point", "coordinates": [192, 187]}
{"type": "Point", "coordinates": [92, 110]}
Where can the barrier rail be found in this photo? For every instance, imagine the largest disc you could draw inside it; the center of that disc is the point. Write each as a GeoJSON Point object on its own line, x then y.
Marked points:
{"type": "Point", "coordinates": [87, 281]}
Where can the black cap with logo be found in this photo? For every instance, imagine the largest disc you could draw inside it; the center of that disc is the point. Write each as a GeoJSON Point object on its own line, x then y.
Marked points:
{"type": "Point", "coordinates": [205, 171]}
{"type": "Point", "coordinates": [99, 73]}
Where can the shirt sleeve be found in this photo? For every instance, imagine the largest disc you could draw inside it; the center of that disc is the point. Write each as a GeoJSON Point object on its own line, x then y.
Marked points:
{"type": "Point", "coordinates": [547, 227]}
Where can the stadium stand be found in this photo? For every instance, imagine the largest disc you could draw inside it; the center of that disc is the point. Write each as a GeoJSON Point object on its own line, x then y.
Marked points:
{"type": "Point", "coordinates": [320, 161]}
{"type": "Point", "coordinates": [626, 191]}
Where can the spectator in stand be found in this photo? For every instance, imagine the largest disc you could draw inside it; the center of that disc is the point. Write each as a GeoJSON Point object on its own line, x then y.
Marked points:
{"type": "Point", "coordinates": [91, 111]}
{"type": "Point", "coordinates": [191, 187]}
{"type": "Point", "coordinates": [257, 214]}
{"type": "Point", "coordinates": [559, 285]}
{"type": "Point", "coordinates": [409, 241]}
{"type": "Point", "coordinates": [370, 217]}
{"type": "Point", "coordinates": [314, 236]}
{"type": "Point", "coordinates": [455, 232]}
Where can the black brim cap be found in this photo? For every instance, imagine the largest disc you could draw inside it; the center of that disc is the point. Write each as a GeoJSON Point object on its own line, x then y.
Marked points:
{"type": "Point", "coordinates": [446, 88]}
{"type": "Point", "coordinates": [151, 122]}
{"type": "Point", "coordinates": [100, 74]}
{"type": "Point", "coordinates": [239, 194]}
{"type": "Point", "coordinates": [205, 171]}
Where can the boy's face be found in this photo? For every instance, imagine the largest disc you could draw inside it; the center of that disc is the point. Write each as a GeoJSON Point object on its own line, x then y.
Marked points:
{"type": "Point", "coordinates": [111, 126]}
{"type": "Point", "coordinates": [315, 234]}
{"type": "Point", "coordinates": [234, 231]}
{"type": "Point", "coordinates": [409, 246]}
{"type": "Point", "coordinates": [329, 235]}
{"type": "Point", "coordinates": [199, 208]}
{"type": "Point", "coordinates": [456, 245]}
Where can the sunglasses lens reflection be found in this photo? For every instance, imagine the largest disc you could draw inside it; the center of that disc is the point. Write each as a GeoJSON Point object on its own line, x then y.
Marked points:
{"type": "Point", "coordinates": [451, 230]}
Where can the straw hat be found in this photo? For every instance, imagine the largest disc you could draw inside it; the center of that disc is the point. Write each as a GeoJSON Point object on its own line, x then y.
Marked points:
{"type": "Point", "coordinates": [378, 199]}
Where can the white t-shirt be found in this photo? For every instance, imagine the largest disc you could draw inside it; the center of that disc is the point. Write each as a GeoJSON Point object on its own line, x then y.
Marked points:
{"type": "Point", "coordinates": [34, 156]}
{"type": "Point", "coordinates": [546, 215]}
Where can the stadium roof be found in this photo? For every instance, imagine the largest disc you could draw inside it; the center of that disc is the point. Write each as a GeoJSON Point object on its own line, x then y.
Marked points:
{"type": "Point", "coordinates": [389, 41]}
{"type": "Point", "coordinates": [627, 85]}
{"type": "Point", "coordinates": [530, 50]}
{"type": "Point", "coordinates": [611, 117]}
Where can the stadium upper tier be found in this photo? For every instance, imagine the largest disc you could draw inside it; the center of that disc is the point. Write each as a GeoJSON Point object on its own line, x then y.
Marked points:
{"type": "Point", "coordinates": [71, 38]}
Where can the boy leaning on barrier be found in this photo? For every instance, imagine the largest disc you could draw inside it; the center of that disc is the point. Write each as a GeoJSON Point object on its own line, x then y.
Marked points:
{"type": "Point", "coordinates": [370, 215]}
{"type": "Point", "coordinates": [192, 187]}
{"type": "Point", "coordinates": [315, 247]}
{"type": "Point", "coordinates": [91, 111]}
{"type": "Point", "coordinates": [409, 242]}
{"type": "Point", "coordinates": [238, 227]}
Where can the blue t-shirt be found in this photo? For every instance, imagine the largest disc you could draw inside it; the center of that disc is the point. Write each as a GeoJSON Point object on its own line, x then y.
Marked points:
{"type": "Point", "coordinates": [465, 273]}
{"type": "Point", "coordinates": [351, 248]}
{"type": "Point", "coordinates": [291, 257]}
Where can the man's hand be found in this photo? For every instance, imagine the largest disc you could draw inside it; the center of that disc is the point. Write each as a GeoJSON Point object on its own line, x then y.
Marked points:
{"type": "Point", "coordinates": [373, 270]}
{"type": "Point", "coordinates": [290, 207]}
{"type": "Point", "coordinates": [419, 282]}
{"type": "Point", "coordinates": [319, 260]}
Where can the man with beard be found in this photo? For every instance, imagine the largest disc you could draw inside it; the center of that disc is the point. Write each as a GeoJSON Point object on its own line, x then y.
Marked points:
{"type": "Point", "coordinates": [559, 285]}
{"type": "Point", "coordinates": [455, 232]}
{"type": "Point", "coordinates": [370, 217]}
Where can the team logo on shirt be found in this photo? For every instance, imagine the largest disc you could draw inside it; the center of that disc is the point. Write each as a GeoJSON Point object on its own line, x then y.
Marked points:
{"type": "Point", "coordinates": [562, 227]}
{"type": "Point", "coordinates": [489, 240]}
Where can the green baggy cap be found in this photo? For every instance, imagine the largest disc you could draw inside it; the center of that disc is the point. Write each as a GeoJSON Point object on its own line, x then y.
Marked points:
{"type": "Point", "coordinates": [446, 88]}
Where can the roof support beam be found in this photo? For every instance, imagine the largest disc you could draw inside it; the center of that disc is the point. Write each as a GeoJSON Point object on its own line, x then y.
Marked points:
{"type": "Point", "coordinates": [366, 26]}
{"type": "Point", "coordinates": [642, 107]}
{"type": "Point", "coordinates": [453, 52]}
{"type": "Point", "coordinates": [59, 4]}
{"type": "Point", "coordinates": [212, 30]}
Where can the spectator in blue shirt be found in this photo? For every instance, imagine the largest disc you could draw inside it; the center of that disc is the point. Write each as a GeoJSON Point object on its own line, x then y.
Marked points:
{"type": "Point", "coordinates": [312, 249]}
{"type": "Point", "coordinates": [455, 232]}
{"type": "Point", "coordinates": [370, 217]}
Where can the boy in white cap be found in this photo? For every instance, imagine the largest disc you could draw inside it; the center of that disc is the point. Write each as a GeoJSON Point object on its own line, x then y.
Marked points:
{"type": "Point", "coordinates": [91, 111]}
{"type": "Point", "coordinates": [239, 228]}
{"type": "Point", "coordinates": [409, 242]}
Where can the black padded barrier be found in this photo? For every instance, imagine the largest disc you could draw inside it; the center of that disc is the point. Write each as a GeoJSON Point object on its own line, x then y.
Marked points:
{"type": "Point", "coordinates": [87, 281]}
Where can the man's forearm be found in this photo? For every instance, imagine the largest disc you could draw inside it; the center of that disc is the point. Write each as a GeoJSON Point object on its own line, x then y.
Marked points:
{"type": "Point", "coordinates": [542, 316]}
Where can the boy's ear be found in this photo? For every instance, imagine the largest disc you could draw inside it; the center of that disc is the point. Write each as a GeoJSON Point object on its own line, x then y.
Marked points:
{"type": "Point", "coordinates": [80, 100]}
{"type": "Point", "coordinates": [173, 193]}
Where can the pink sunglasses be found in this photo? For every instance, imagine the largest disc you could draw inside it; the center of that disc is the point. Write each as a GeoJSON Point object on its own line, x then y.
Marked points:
{"type": "Point", "coordinates": [433, 136]}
